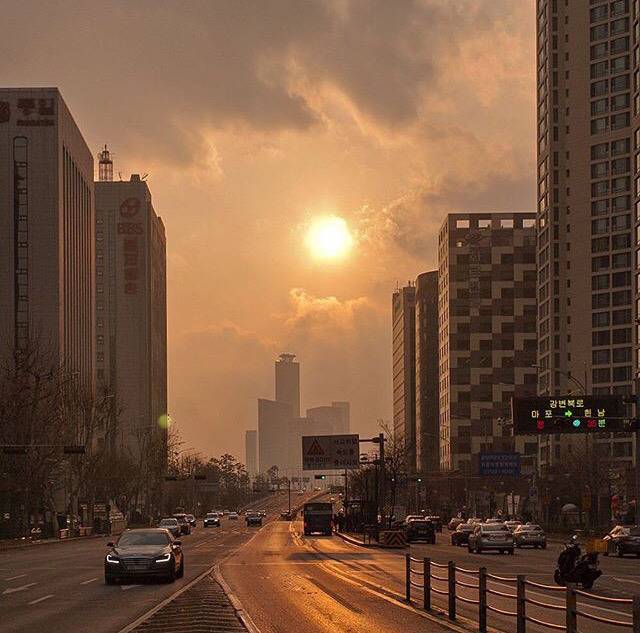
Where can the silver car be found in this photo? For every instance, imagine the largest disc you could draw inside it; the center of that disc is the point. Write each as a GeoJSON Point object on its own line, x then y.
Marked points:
{"type": "Point", "coordinates": [530, 536]}
{"type": "Point", "coordinates": [491, 536]}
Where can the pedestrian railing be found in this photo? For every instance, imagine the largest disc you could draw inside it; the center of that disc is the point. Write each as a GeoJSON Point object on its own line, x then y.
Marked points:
{"type": "Point", "coordinates": [419, 574]}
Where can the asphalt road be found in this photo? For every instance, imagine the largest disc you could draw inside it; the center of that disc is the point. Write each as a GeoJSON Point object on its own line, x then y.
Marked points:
{"type": "Point", "coordinates": [60, 587]}
{"type": "Point", "coordinates": [283, 578]}
{"type": "Point", "coordinates": [285, 585]}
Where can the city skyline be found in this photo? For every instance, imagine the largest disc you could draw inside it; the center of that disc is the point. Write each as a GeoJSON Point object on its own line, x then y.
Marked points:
{"type": "Point", "coordinates": [240, 167]}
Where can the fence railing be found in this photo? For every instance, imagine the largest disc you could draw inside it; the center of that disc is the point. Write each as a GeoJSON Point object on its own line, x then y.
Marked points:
{"type": "Point", "coordinates": [419, 574]}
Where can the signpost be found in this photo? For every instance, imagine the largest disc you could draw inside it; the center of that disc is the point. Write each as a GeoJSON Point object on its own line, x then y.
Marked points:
{"type": "Point", "coordinates": [569, 414]}
{"type": "Point", "coordinates": [330, 452]}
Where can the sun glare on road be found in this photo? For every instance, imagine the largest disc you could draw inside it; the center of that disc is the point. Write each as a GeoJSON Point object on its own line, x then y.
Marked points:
{"type": "Point", "coordinates": [329, 238]}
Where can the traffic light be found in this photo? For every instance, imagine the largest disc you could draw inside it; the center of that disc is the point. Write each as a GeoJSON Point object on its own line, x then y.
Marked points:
{"type": "Point", "coordinates": [320, 476]}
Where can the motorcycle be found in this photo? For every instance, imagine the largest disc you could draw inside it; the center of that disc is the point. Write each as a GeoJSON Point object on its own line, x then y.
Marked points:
{"type": "Point", "coordinates": [576, 568]}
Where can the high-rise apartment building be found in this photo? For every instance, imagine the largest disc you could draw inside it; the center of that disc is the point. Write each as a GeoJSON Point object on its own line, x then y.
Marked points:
{"type": "Point", "coordinates": [403, 313]}
{"type": "Point", "coordinates": [487, 332]}
{"type": "Point", "coordinates": [131, 306]}
{"type": "Point", "coordinates": [47, 274]}
{"type": "Point", "coordinates": [251, 453]}
{"type": "Point", "coordinates": [426, 372]}
{"type": "Point", "coordinates": [288, 382]}
{"type": "Point", "coordinates": [588, 73]}
{"type": "Point", "coordinates": [274, 424]}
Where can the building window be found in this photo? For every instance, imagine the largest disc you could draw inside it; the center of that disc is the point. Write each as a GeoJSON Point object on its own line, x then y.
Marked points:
{"type": "Point", "coordinates": [619, 121]}
{"type": "Point", "coordinates": [619, 45]}
{"type": "Point", "coordinates": [600, 32]}
{"type": "Point", "coordinates": [620, 83]}
{"type": "Point", "coordinates": [621, 317]}
{"type": "Point", "coordinates": [599, 88]}
{"type": "Point", "coordinates": [622, 355]}
{"type": "Point", "coordinates": [619, 26]}
{"type": "Point", "coordinates": [621, 336]}
{"type": "Point", "coordinates": [599, 151]}
{"type": "Point", "coordinates": [600, 282]}
{"type": "Point", "coordinates": [600, 319]}
{"type": "Point", "coordinates": [620, 166]}
{"type": "Point", "coordinates": [601, 375]}
{"type": "Point", "coordinates": [621, 260]}
{"type": "Point", "coordinates": [621, 374]}
{"type": "Point", "coordinates": [621, 146]}
{"type": "Point", "coordinates": [601, 357]}
{"type": "Point", "coordinates": [600, 170]}
{"type": "Point", "coordinates": [21, 241]}
{"type": "Point", "coordinates": [599, 126]}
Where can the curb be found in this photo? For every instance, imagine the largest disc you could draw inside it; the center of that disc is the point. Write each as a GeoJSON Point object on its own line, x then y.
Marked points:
{"type": "Point", "coordinates": [354, 541]}
{"type": "Point", "coordinates": [245, 618]}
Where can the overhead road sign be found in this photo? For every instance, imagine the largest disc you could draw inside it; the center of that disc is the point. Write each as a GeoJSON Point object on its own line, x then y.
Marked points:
{"type": "Point", "coordinates": [330, 452]}
{"type": "Point", "coordinates": [569, 414]}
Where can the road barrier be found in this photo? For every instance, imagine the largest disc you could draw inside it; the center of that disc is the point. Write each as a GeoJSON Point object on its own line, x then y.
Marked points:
{"type": "Point", "coordinates": [393, 538]}
{"type": "Point", "coordinates": [520, 596]}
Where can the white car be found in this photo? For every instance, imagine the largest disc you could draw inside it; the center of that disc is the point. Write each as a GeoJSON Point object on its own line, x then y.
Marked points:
{"type": "Point", "coordinates": [233, 516]}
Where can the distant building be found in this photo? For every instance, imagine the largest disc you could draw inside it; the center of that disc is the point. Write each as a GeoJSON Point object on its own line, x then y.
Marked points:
{"type": "Point", "coordinates": [251, 453]}
{"type": "Point", "coordinates": [47, 269]}
{"type": "Point", "coordinates": [404, 371]}
{"type": "Point", "coordinates": [288, 382]}
{"type": "Point", "coordinates": [331, 420]}
{"type": "Point", "coordinates": [426, 371]}
{"type": "Point", "coordinates": [131, 306]}
{"type": "Point", "coordinates": [274, 421]}
{"type": "Point", "coordinates": [487, 332]}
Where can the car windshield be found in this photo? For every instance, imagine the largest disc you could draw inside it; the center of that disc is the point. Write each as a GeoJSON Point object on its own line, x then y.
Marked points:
{"type": "Point", "coordinates": [530, 528]}
{"type": "Point", "coordinates": [494, 527]}
{"type": "Point", "coordinates": [149, 537]}
{"type": "Point", "coordinates": [172, 522]}
{"type": "Point", "coordinates": [212, 515]}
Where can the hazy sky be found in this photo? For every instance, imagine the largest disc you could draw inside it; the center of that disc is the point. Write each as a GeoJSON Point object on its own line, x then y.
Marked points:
{"type": "Point", "coordinates": [252, 118]}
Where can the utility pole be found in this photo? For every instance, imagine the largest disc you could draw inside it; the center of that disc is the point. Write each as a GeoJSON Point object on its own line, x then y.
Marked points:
{"type": "Point", "coordinates": [383, 477]}
{"type": "Point", "coordinates": [289, 481]}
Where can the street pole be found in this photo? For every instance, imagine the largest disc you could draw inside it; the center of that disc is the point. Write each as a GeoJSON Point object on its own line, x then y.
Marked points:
{"type": "Point", "coordinates": [382, 477]}
{"type": "Point", "coordinates": [289, 480]}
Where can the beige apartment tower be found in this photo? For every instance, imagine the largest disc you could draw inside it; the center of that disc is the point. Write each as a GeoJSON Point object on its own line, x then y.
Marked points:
{"type": "Point", "coordinates": [131, 307]}
{"type": "Point", "coordinates": [47, 275]}
{"type": "Point", "coordinates": [588, 106]}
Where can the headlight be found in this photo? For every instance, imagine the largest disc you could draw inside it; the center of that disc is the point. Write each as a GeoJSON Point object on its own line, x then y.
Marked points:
{"type": "Point", "coordinates": [163, 559]}
{"type": "Point", "coordinates": [112, 559]}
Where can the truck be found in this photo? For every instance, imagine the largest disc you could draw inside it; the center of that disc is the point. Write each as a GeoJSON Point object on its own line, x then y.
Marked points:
{"type": "Point", "coordinates": [318, 518]}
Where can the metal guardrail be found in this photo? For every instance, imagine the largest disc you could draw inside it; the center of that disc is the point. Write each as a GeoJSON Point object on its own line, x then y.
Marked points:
{"type": "Point", "coordinates": [521, 597]}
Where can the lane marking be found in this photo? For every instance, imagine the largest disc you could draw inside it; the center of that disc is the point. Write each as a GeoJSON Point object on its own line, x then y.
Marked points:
{"type": "Point", "coordinates": [16, 589]}
{"type": "Point", "coordinates": [41, 599]}
{"type": "Point", "coordinates": [635, 582]}
{"type": "Point", "coordinates": [126, 587]}
{"type": "Point", "coordinates": [86, 582]}
{"type": "Point", "coordinates": [16, 577]}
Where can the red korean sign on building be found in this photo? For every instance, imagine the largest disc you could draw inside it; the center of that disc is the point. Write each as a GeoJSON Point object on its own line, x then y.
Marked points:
{"type": "Point", "coordinates": [130, 228]}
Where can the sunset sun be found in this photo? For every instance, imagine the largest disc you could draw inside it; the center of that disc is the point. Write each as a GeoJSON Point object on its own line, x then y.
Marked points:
{"type": "Point", "coordinates": [329, 238]}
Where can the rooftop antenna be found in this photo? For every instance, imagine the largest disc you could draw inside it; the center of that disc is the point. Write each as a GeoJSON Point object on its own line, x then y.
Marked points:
{"type": "Point", "coordinates": [144, 177]}
{"type": "Point", "coordinates": [105, 166]}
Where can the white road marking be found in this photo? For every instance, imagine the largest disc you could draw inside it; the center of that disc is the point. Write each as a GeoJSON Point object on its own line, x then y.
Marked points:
{"type": "Point", "coordinates": [635, 582]}
{"type": "Point", "coordinates": [41, 599]}
{"type": "Point", "coordinates": [16, 577]}
{"type": "Point", "coordinates": [125, 587]}
{"type": "Point", "coordinates": [16, 589]}
{"type": "Point", "coordinates": [86, 582]}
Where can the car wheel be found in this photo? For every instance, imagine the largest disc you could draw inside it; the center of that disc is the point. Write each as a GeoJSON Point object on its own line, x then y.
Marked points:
{"type": "Point", "coordinates": [180, 572]}
{"type": "Point", "coordinates": [109, 580]}
{"type": "Point", "coordinates": [478, 550]}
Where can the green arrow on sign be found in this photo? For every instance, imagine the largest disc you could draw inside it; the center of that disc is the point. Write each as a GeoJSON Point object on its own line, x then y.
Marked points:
{"type": "Point", "coordinates": [568, 414]}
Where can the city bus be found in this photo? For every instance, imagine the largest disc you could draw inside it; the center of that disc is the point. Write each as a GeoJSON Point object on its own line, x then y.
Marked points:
{"type": "Point", "coordinates": [318, 518]}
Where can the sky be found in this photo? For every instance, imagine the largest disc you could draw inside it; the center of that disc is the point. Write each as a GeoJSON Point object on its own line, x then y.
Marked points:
{"type": "Point", "coordinates": [253, 118]}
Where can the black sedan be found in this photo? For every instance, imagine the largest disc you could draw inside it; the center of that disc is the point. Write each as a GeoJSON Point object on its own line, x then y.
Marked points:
{"type": "Point", "coordinates": [254, 518]}
{"type": "Point", "coordinates": [144, 553]}
{"type": "Point", "coordinates": [421, 530]}
{"type": "Point", "coordinates": [623, 539]}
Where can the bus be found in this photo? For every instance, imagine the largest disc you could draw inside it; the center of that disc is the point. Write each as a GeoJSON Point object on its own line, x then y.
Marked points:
{"type": "Point", "coordinates": [318, 518]}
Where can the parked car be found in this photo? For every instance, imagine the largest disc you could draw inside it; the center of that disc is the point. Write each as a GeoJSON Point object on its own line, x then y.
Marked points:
{"type": "Point", "coordinates": [460, 536]}
{"type": "Point", "coordinates": [211, 519]}
{"type": "Point", "coordinates": [454, 523]}
{"type": "Point", "coordinates": [286, 515]}
{"type": "Point", "coordinates": [233, 516]}
{"type": "Point", "coordinates": [253, 518]}
{"type": "Point", "coordinates": [530, 535]}
{"type": "Point", "coordinates": [493, 520]}
{"type": "Point", "coordinates": [490, 536]}
{"type": "Point", "coordinates": [421, 530]}
{"type": "Point", "coordinates": [413, 517]}
{"type": "Point", "coordinates": [151, 552]}
{"type": "Point", "coordinates": [185, 526]}
{"type": "Point", "coordinates": [172, 525]}
{"type": "Point", "coordinates": [512, 525]}
{"type": "Point", "coordinates": [192, 520]}
{"type": "Point", "coordinates": [623, 539]}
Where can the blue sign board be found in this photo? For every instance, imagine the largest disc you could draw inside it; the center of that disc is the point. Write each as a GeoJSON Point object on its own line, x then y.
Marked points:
{"type": "Point", "coordinates": [500, 464]}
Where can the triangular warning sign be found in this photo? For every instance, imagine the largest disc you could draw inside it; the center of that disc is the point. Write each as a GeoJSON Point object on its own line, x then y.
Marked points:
{"type": "Point", "coordinates": [315, 449]}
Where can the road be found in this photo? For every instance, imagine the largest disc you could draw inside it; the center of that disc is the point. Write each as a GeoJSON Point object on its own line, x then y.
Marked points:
{"type": "Point", "coordinates": [283, 578]}
{"type": "Point", "coordinates": [60, 586]}
{"type": "Point", "coordinates": [286, 585]}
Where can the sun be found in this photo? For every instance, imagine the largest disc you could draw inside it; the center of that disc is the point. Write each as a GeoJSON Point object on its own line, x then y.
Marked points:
{"type": "Point", "coordinates": [329, 238]}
